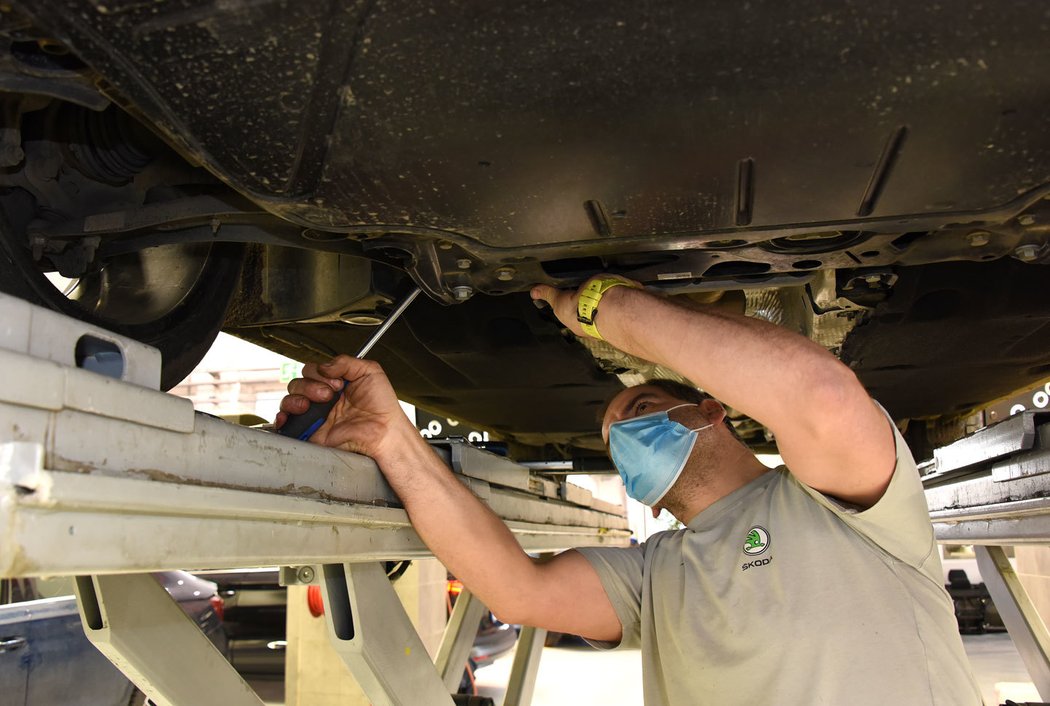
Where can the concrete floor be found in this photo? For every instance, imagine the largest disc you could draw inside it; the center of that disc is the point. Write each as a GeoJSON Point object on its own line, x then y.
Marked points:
{"type": "Point", "coordinates": [999, 670]}
{"type": "Point", "coordinates": [576, 674]}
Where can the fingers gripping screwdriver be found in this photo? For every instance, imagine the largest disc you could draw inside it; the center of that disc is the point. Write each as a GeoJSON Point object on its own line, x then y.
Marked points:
{"type": "Point", "coordinates": [302, 426]}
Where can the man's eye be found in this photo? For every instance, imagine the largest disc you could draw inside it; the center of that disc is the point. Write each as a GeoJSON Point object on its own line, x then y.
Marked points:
{"type": "Point", "coordinates": [641, 407]}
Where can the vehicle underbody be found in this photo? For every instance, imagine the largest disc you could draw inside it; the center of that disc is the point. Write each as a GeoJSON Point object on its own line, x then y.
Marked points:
{"type": "Point", "coordinates": [875, 177]}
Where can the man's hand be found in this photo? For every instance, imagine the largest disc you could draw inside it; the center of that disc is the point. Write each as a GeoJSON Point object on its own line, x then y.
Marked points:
{"type": "Point", "coordinates": [564, 301]}
{"type": "Point", "coordinates": [367, 419]}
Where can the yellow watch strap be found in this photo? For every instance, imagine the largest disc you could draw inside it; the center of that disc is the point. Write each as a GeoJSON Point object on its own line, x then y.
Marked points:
{"type": "Point", "coordinates": [587, 305]}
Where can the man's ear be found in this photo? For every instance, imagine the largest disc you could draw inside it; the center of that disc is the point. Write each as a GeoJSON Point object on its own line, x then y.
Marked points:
{"type": "Point", "coordinates": [713, 411]}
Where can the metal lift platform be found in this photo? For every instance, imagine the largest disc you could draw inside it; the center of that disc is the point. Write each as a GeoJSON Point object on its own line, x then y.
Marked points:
{"type": "Point", "coordinates": [105, 478]}
{"type": "Point", "coordinates": [992, 489]}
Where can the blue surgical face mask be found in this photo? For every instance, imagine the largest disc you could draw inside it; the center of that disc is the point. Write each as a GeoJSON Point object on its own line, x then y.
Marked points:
{"type": "Point", "coordinates": [650, 452]}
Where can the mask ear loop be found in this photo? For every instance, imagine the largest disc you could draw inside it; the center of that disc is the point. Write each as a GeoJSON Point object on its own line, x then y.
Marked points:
{"type": "Point", "coordinates": [686, 404]}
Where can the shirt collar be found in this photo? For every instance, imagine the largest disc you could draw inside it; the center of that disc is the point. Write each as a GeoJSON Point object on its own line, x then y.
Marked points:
{"type": "Point", "coordinates": [715, 511]}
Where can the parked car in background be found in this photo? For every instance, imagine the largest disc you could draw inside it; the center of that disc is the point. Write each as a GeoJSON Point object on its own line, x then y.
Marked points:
{"type": "Point", "coordinates": [255, 617]}
{"type": "Point", "coordinates": [46, 659]}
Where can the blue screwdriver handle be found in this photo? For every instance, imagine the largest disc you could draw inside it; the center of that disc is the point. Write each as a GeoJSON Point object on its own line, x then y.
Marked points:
{"type": "Point", "coordinates": [302, 426]}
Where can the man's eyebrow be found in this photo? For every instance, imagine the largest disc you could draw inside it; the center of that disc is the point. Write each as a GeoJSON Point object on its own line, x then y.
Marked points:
{"type": "Point", "coordinates": [631, 402]}
{"type": "Point", "coordinates": [635, 399]}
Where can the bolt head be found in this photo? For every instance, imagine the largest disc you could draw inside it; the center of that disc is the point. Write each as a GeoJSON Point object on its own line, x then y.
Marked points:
{"type": "Point", "coordinates": [305, 574]}
{"type": "Point", "coordinates": [462, 293]}
{"type": "Point", "coordinates": [1027, 253]}
{"type": "Point", "coordinates": [505, 274]}
{"type": "Point", "coordinates": [1026, 220]}
{"type": "Point", "coordinates": [979, 238]}
{"type": "Point", "coordinates": [463, 263]}
{"type": "Point", "coordinates": [444, 245]}
{"type": "Point", "coordinates": [873, 279]}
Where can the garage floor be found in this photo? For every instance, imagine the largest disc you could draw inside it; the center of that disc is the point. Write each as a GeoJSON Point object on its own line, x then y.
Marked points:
{"type": "Point", "coordinates": [581, 676]}
{"type": "Point", "coordinates": [576, 674]}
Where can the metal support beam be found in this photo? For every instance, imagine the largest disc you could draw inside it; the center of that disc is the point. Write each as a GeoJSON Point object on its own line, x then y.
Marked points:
{"type": "Point", "coordinates": [459, 636]}
{"type": "Point", "coordinates": [133, 621]}
{"type": "Point", "coordinates": [371, 632]}
{"type": "Point", "coordinates": [526, 666]}
{"type": "Point", "coordinates": [1026, 628]}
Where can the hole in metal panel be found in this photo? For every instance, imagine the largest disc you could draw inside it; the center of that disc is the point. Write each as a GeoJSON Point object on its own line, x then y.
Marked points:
{"type": "Point", "coordinates": [99, 356]}
{"type": "Point", "coordinates": [736, 269]}
{"type": "Point", "coordinates": [338, 596]}
{"type": "Point", "coordinates": [806, 264]}
{"type": "Point", "coordinates": [573, 267]}
{"type": "Point", "coordinates": [722, 244]}
{"type": "Point", "coordinates": [814, 243]}
{"type": "Point", "coordinates": [89, 602]}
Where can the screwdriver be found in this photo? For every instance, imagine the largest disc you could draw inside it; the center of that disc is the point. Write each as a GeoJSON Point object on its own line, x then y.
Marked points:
{"type": "Point", "coordinates": [302, 426]}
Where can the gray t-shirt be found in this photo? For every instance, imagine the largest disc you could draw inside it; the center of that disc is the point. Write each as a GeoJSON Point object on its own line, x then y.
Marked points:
{"type": "Point", "coordinates": [776, 594]}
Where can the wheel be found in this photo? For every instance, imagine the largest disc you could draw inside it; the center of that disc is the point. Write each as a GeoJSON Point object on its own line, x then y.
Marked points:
{"type": "Point", "coordinates": [172, 297]}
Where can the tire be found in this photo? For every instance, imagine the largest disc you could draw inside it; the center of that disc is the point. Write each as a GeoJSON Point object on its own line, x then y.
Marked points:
{"type": "Point", "coordinates": [202, 279]}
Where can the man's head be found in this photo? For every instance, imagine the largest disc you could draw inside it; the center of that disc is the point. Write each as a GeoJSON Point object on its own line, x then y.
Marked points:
{"type": "Point", "coordinates": [657, 395]}
{"type": "Point", "coordinates": [693, 410]}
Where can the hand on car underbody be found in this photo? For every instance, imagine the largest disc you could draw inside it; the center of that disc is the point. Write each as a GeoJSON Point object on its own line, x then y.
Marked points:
{"type": "Point", "coordinates": [367, 419]}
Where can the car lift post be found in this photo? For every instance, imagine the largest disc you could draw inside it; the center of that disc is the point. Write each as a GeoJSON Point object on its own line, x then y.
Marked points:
{"type": "Point", "coordinates": [526, 666]}
{"type": "Point", "coordinates": [106, 479]}
{"type": "Point", "coordinates": [133, 621]}
{"type": "Point", "coordinates": [373, 635]}
{"type": "Point", "coordinates": [458, 638]}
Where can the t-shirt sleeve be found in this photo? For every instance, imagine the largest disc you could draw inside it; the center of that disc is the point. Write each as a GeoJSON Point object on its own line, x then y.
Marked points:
{"type": "Point", "coordinates": [620, 570]}
{"type": "Point", "coordinates": [899, 522]}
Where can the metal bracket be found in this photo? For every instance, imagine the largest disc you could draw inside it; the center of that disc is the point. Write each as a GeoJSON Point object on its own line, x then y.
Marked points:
{"type": "Point", "coordinates": [371, 632]}
{"type": "Point", "coordinates": [133, 621]}
{"type": "Point", "coordinates": [296, 576]}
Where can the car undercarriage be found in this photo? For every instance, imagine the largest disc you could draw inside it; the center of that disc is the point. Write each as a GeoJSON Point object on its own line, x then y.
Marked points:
{"type": "Point", "coordinates": [875, 177]}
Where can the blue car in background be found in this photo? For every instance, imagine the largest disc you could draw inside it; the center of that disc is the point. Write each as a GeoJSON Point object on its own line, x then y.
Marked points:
{"type": "Point", "coordinates": [45, 658]}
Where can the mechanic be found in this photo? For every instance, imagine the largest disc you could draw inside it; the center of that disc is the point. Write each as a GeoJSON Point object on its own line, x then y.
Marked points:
{"type": "Point", "coordinates": [815, 585]}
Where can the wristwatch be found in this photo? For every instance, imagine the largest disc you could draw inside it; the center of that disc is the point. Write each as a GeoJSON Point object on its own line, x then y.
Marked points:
{"type": "Point", "coordinates": [587, 306]}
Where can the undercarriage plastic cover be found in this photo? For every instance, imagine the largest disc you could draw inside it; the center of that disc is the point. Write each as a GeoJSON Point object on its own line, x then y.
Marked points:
{"type": "Point", "coordinates": [519, 124]}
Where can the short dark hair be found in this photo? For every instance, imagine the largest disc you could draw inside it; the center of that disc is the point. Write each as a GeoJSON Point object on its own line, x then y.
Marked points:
{"type": "Point", "coordinates": [690, 394]}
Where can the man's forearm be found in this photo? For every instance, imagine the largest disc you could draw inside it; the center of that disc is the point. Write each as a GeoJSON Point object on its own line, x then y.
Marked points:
{"type": "Point", "coordinates": [464, 534]}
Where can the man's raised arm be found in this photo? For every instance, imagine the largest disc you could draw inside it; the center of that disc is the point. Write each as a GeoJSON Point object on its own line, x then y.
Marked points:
{"type": "Point", "coordinates": [830, 433]}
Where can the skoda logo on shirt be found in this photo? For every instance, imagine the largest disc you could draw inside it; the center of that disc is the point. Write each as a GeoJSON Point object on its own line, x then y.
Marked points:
{"type": "Point", "coordinates": [757, 541]}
